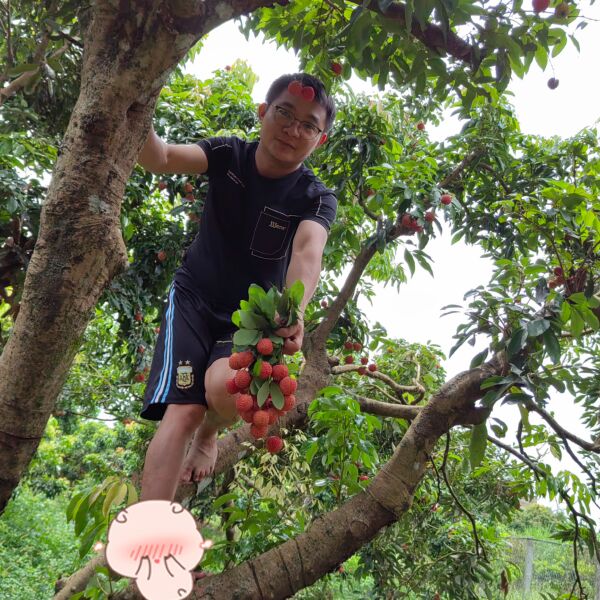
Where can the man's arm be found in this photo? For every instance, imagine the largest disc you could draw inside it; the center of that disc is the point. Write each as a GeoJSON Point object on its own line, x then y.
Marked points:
{"type": "Point", "coordinates": [157, 157]}
{"type": "Point", "coordinates": [305, 264]}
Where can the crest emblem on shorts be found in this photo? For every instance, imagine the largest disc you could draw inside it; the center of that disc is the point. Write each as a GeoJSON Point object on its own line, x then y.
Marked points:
{"type": "Point", "coordinates": [185, 375]}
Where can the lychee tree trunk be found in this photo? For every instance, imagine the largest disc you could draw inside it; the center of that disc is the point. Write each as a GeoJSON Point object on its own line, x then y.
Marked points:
{"type": "Point", "coordinates": [131, 46]}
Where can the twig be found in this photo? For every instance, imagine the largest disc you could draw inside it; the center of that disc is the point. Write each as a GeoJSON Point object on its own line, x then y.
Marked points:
{"type": "Point", "coordinates": [478, 544]}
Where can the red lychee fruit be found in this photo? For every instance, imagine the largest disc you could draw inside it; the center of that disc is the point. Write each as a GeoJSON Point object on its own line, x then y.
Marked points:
{"type": "Point", "coordinates": [446, 199]}
{"type": "Point", "coordinates": [406, 220]}
{"type": "Point", "coordinates": [188, 188]}
{"type": "Point", "coordinates": [295, 87]}
{"type": "Point", "coordinates": [364, 360]}
{"type": "Point", "coordinates": [248, 416]}
{"type": "Point", "coordinates": [234, 361]}
{"type": "Point", "coordinates": [265, 370]}
{"type": "Point", "coordinates": [261, 418]}
{"type": "Point", "coordinates": [308, 93]}
{"type": "Point", "coordinates": [228, 67]}
{"type": "Point", "coordinates": [349, 359]}
{"type": "Point", "coordinates": [244, 403]}
{"type": "Point", "coordinates": [245, 359]}
{"type": "Point", "coordinates": [289, 402]}
{"type": "Point", "coordinates": [324, 304]}
{"type": "Point", "coordinates": [372, 367]}
{"type": "Point", "coordinates": [190, 198]}
{"type": "Point", "coordinates": [242, 379]}
{"type": "Point", "coordinates": [357, 346]}
{"type": "Point", "coordinates": [363, 477]}
{"type": "Point", "coordinates": [287, 386]}
{"type": "Point", "coordinates": [430, 217]}
{"type": "Point", "coordinates": [273, 415]}
{"type": "Point", "coordinates": [141, 349]}
{"type": "Point", "coordinates": [540, 5]}
{"type": "Point", "coordinates": [265, 347]}
{"type": "Point", "coordinates": [161, 255]}
{"type": "Point", "coordinates": [420, 125]}
{"type": "Point", "coordinates": [274, 444]}
{"type": "Point", "coordinates": [558, 272]}
{"type": "Point", "coordinates": [362, 370]}
{"type": "Point", "coordinates": [348, 345]}
{"type": "Point", "coordinates": [279, 372]}
{"type": "Point", "coordinates": [257, 431]}
{"type": "Point", "coordinates": [231, 387]}
{"type": "Point", "coordinates": [162, 185]}
{"type": "Point", "coordinates": [552, 83]}
{"type": "Point", "coordinates": [337, 68]}
{"type": "Point", "coordinates": [139, 377]}
{"type": "Point", "coordinates": [138, 316]}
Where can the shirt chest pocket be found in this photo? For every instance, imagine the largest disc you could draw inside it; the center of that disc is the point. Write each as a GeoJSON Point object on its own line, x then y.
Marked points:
{"type": "Point", "coordinates": [272, 234]}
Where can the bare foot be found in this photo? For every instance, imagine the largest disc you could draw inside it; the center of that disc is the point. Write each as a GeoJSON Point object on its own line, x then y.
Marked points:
{"type": "Point", "coordinates": [200, 459]}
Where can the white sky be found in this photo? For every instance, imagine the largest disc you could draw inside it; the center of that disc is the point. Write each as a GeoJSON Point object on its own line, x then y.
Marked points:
{"type": "Point", "coordinates": [414, 313]}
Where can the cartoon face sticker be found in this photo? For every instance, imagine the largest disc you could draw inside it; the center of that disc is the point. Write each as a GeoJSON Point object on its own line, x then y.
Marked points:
{"type": "Point", "coordinates": [156, 543]}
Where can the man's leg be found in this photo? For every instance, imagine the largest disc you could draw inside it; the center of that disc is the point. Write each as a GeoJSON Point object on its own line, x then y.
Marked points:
{"type": "Point", "coordinates": [166, 452]}
{"type": "Point", "coordinates": [202, 454]}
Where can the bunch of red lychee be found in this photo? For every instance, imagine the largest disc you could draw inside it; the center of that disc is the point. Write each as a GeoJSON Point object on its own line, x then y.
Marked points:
{"type": "Point", "coordinates": [259, 365]}
{"type": "Point", "coordinates": [351, 347]}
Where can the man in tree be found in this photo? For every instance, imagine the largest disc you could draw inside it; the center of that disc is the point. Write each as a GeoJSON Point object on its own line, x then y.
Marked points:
{"type": "Point", "coordinates": [265, 221]}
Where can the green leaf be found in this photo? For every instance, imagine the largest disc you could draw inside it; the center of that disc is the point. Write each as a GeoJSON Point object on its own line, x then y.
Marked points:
{"type": "Point", "coordinates": [74, 505]}
{"type": "Point", "coordinates": [246, 337]}
{"type": "Point", "coordinates": [276, 395]}
{"type": "Point", "coordinates": [477, 445]}
{"type": "Point", "coordinates": [310, 453]}
{"type": "Point", "coordinates": [552, 346]}
{"type": "Point", "coordinates": [90, 537]}
{"type": "Point", "coordinates": [224, 499]}
{"type": "Point", "coordinates": [251, 321]}
{"type": "Point", "coordinates": [517, 342]}
{"type": "Point", "coordinates": [132, 496]}
{"type": "Point", "coordinates": [263, 393]}
{"type": "Point", "coordinates": [537, 327]}
{"type": "Point", "coordinates": [297, 292]}
{"type": "Point", "coordinates": [410, 261]}
{"type": "Point", "coordinates": [115, 495]}
{"type": "Point", "coordinates": [479, 358]}
{"type": "Point", "coordinates": [577, 322]}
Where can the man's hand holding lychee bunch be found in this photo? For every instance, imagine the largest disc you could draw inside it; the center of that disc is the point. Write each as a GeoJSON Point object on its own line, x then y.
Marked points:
{"type": "Point", "coordinates": [269, 327]}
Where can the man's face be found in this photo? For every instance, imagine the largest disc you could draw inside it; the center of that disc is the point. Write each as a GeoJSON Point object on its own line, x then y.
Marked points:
{"type": "Point", "coordinates": [286, 144]}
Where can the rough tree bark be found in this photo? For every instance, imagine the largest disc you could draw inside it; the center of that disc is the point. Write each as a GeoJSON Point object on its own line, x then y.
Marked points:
{"type": "Point", "coordinates": [130, 49]}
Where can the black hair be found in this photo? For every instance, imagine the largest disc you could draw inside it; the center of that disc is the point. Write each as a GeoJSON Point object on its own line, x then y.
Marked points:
{"type": "Point", "coordinates": [321, 96]}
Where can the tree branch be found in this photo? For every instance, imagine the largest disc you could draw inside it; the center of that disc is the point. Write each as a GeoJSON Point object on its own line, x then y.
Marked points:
{"type": "Point", "coordinates": [561, 431]}
{"type": "Point", "coordinates": [441, 41]}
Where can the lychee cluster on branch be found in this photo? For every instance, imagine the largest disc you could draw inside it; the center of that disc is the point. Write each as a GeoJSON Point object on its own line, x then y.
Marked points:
{"type": "Point", "coordinates": [263, 385]}
{"type": "Point", "coordinates": [352, 348]}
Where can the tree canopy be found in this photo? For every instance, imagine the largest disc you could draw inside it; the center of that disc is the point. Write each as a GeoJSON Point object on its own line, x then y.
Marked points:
{"type": "Point", "coordinates": [405, 452]}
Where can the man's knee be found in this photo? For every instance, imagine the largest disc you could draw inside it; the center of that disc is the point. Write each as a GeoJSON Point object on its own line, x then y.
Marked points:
{"type": "Point", "coordinates": [217, 397]}
{"type": "Point", "coordinates": [184, 417]}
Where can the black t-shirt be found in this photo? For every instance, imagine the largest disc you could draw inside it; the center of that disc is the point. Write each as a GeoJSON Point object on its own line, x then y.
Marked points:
{"type": "Point", "coordinates": [248, 223]}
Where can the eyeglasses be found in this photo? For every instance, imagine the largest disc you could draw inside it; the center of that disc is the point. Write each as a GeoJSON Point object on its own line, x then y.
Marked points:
{"type": "Point", "coordinates": [285, 118]}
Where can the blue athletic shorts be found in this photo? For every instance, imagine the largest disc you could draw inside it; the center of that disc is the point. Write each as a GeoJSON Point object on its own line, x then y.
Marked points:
{"type": "Point", "coordinates": [193, 334]}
